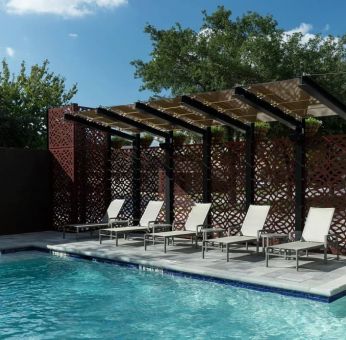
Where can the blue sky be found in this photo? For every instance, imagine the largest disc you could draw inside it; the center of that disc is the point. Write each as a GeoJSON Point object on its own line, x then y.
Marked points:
{"type": "Point", "coordinates": [91, 42]}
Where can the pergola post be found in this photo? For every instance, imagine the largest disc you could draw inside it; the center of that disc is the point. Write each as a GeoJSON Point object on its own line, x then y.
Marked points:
{"type": "Point", "coordinates": [299, 179]}
{"type": "Point", "coordinates": [250, 166]}
{"type": "Point", "coordinates": [207, 165]}
{"type": "Point", "coordinates": [136, 177]}
{"type": "Point", "coordinates": [169, 178]}
{"type": "Point", "coordinates": [109, 169]}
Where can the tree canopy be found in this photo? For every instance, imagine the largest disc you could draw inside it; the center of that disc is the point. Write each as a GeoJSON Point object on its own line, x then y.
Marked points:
{"type": "Point", "coordinates": [225, 52]}
{"type": "Point", "coordinates": [24, 100]}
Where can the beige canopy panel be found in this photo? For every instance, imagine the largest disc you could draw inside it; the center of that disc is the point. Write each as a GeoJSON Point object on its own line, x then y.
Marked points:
{"type": "Point", "coordinates": [287, 95]}
{"type": "Point", "coordinates": [290, 98]}
{"type": "Point", "coordinates": [95, 117]}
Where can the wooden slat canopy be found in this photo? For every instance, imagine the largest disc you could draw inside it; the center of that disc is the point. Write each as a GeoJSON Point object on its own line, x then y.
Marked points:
{"type": "Point", "coordinates": [287, 95]}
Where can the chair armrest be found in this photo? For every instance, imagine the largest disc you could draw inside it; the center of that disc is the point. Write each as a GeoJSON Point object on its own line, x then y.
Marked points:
{"type": "Point", "coordinates": [202, 226]}
{"type": "Point", "coordinates": [259, 233]}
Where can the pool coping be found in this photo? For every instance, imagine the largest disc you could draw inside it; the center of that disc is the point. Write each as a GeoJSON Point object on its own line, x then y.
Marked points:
{"type": "Point", "coordinates": [143, 265]}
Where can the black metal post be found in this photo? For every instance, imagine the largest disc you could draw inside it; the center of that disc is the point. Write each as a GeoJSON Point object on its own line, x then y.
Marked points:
{"type": "Point", "coordinates": [207, 166]}
{"type": "Point", "coordinates": [169, 178]}
{"type": "Point", "coordinates": [136, 173]}
{"type": "Point", "coordinates": [250, 166]}
{"type": "Point", "coordinates": [299, 177]}
{"type": "Point", "coordinates": [108, 191]}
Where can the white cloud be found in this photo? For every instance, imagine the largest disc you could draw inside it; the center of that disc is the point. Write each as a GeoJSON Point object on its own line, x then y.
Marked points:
{"type": "Point", "coordinates": [65, 8]}
{"type": "Point", "coordinates": [73, 35]}
{"type": "Point", "coordinates": [10, 51]}
{"type": "Point", "coordinates": [304, 29]}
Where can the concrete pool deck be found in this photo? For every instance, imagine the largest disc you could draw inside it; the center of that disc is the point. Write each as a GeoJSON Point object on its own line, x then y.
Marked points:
{"type": "Point", "coordinates": [314, 277]}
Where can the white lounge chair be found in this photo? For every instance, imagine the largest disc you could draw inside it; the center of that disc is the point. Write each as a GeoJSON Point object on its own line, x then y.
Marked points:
{"type": "Point", "coordinates": [315, 236]}
{"type": "Point", "coordinates": [146, 223]}
{"type": "Point", "coordinates": [250, 231]}
{"type": "Point", "coordinates": [110, 217]}
{"type": "Point", "coordinates": [193, 225]}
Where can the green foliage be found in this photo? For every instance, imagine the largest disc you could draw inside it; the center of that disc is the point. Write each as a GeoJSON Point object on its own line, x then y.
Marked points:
{"type": "Point", "coordinates": [312, 122]}
{"type": "Point", "coordinates": [179, 137]}
{"type": "Point", "coordinates": [262, 125]}
{"type": "Point", "coordinates": [146, 139]}
{"type": "Point", "coordinates": [118, 142]}
{"type": "Point", "coordinates": [226, 52]}
{"type": "Point", "coordinates": [24, 100]}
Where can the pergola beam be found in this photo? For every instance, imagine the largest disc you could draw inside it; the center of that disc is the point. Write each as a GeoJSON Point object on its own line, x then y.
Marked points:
{"type": "Point", "coordinates": [267, 108]}
{"type": "Point", "coordinates": [322, 95]}
{"type": "Point", "coordinates": [133, 123]}
{"type": "Point", "coordinates": [88, 123]}
{"type": "Point", "coordinates": [168, 118]}
{"type": "Point", "coordinates": [214, 114]}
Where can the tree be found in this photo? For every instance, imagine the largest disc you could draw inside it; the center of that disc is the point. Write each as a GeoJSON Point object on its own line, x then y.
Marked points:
{"type": "Point", "coordinates": [24, 100]}
{"type": "Point", "coordinates": [226, 52]}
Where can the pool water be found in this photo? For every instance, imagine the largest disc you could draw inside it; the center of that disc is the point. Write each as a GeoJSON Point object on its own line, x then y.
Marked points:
{"type": "Point", "coordinates": [49, 297]}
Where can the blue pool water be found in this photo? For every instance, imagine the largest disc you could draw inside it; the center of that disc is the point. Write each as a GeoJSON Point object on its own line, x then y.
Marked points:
{"type": "Point", "coordinates": [48, 297]}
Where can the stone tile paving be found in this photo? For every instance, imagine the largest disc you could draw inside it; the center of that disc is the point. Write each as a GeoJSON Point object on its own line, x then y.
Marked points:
{"type": "Point", "coordinates": [314, 277]}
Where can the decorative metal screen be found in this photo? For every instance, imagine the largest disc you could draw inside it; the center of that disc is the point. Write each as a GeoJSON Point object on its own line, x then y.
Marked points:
{"type": "Point", "coordinates": [92, 176]}
{"type": "Point", "coordinates": [152, 169]}
{"type": "Point", "coordinates": [228, 184]}
{"type": "Point", "coordinates": [80, 191]}
{"type": "Point", "coordinates": [274, 182]}
{"type": "Point", "coordinates": [188, 183]}
{"type": "Point", "coordinates": [122, 179]}
{"type": "Point", "coordinates": [326, 179]}
{"type": "Point", "coordinates": [61, 146]}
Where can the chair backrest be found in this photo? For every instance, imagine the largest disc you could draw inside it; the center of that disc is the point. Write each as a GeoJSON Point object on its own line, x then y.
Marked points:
{"type": "Point", "coordinates": [254, 219]}
{"type": "Point", "coordinates": [197, 216]}
{"type": "Point", "coordinates": [151, 213]}
{"type": "Point", "coordinates": [114, 208]}
{"type": "Point", "coordinates": [317, 224]}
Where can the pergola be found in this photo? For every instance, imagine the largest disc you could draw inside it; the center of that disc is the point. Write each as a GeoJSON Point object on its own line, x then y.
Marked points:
{"type": "Point", "coordinates": [288, 102]}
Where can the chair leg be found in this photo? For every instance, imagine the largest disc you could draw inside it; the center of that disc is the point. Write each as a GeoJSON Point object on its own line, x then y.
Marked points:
{"type": "Point", "coordinates": [100, 238]}
{"type": "Point", "coordinates": [297, 259]}
{"type": "Point", "coordinates": [145, 242]}
{"type": "Point", "coordinates": [337, 251]}
{"type": "Point", "coordinates": [116, 239]}
{"type": "Point", "coordinates": [325, 254]}
{"type": "Point", "coordinates": [267, 256]}
{"type": "Point", "coordinates": [203, 248]}
{"type": "Point", "coordinates": [63, 232]}
{"type": "Point", "coordinates": [227, 251]}
{"type": "Point", "coordinates": [165, 245]}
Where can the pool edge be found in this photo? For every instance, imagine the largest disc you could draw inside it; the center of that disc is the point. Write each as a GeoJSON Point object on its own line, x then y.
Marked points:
{"type": "Point", "coordinates": [175, 272]}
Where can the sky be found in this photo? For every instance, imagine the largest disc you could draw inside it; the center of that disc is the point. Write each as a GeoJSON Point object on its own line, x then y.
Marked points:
{"type": "Point", "coordinates": [92, 42]}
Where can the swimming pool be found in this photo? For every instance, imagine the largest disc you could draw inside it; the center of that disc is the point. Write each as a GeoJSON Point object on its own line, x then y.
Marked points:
{"type": "Point", "coordinates": [44, 296]}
